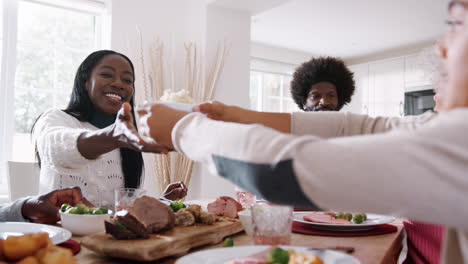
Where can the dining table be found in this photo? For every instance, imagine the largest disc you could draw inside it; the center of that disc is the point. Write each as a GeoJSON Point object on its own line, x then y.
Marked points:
{"type": "Point", "coordinates": [377, 249]}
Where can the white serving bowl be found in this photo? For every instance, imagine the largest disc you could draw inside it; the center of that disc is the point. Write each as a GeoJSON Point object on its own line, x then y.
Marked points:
{"type": "Point", "coordinates": [84, 224]}
{"type": "Point", "coordinates": [245, 216]}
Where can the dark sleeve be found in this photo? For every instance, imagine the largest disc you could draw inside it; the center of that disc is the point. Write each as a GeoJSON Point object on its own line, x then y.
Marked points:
{"type": "Point", "coordinates": [276, 183]}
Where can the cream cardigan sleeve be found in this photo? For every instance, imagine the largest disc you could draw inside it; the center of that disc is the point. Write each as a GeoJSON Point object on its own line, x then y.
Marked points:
{"type": "Point", "coordinates": [420, 174]}
{"type": "Point", "coordinates": [56, 134]}
{"type": "Point", "coordinates": [337, 124]}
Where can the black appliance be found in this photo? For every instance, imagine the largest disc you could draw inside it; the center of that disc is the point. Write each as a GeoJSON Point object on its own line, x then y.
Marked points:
{"type": "Point", "coordinates": [418, 102]}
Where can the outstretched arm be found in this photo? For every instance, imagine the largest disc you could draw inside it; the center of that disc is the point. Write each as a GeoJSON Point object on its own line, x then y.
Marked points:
{"type": "Point", "coordinates": [326, 124]}
{"type": "Point", "coordinates": [376, 173]}
{"type": "Point", "coordinates": [229, 113]}
{"type": "Point", "coordinates": [122, 134]}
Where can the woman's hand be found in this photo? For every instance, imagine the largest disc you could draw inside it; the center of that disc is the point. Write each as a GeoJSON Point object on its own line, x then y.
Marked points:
{"type": "Point", "coordinates": [44, 209]}
{"type": "Point", "coordinates": [157, 121]}
{"type": "Point", "coordinates": [121, 134]}
{"type": "Point", "coordinates": [219, 111]}
{"type": "Point", "coordinates": [229, 113]}
{"type": "Point", "coordinates": [175, 191]}
{"type": "Point", "coordinates": [126, 134]}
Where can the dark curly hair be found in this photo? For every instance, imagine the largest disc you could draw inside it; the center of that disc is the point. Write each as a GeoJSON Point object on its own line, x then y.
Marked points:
{"type": "Point", "coordinates": [322, 69]}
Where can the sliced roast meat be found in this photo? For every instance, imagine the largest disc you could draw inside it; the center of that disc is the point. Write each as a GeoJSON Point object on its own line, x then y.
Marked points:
{"type": "Point", "coordinates": [319, 217]}
{"type": "Point", "coordinates": [225, 206]}
{"type": "Point", "coordinates": [238, 205]}
{"type": "Point", "coordinates": [155, 215]}
{"type": "Point", "coordinates": [131, 222]}
{"type": "Point", "coordinates": [257, 258]}
{"type": "Point", "coordinates": [118, 231]}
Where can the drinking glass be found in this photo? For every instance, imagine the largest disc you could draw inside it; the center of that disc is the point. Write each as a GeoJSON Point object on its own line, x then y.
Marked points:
{"type": "Point", "coordinates": [124, 197]}
{"type": "Point", "coordinates": [245, 198]}
{"type": "Point", "coordinates": [272, 223]}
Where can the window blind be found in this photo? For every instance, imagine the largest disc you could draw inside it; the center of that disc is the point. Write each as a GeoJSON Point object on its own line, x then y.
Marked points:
{"type": "Point", "coordinates": [88, 6]}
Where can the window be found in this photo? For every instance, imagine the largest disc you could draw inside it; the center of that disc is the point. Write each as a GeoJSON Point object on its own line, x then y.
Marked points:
{"type": "Point", "coordinates": [270, 86]}
{"type": "Point", "coordinates": [1, 36]}
{"type": "Point", "coordinates": [46, 41]}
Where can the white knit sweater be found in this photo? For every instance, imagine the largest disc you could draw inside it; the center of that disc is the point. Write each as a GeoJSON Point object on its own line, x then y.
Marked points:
{"type": "Point", "coordinates": [62, 165]}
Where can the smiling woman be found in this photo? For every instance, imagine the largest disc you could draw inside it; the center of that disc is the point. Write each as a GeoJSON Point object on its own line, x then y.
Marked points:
{"type": "Point", "coordinates": [111, 84]}
{"type": "Point", "coordinates": [94, 143]}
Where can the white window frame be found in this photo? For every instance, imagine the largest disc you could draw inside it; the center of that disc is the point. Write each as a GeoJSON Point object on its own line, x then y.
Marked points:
{"type": "Point", "coordinates": [265, 66]}
{"type": "Point", "coordinates": [8, 62]}
{"type": "Point", "coordinates": [260, 95]}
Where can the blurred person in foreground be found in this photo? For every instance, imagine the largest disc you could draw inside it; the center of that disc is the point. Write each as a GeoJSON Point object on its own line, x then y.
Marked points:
{"type": "Point", "coordinates": [389, 173]}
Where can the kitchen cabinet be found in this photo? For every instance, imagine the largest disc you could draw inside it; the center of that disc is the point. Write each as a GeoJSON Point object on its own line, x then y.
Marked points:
{"type": "Point", "coordinates": [386, 89]}
{"type": "Point", "coordinates": [415, 76]}
{"type": "Point", "coordinates": [380, 87]}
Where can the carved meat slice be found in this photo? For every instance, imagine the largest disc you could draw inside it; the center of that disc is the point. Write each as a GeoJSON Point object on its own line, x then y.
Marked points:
{"type": "Point", "coordinates": [257, 258]}
{"type": "Point", "coordinates": [146, 215]}
{"type": "Point", "coordinates": [155, 215]}
{"type": "Point", "coordinates": [225, 206]}
{"type": "Point", "coordinates": [318, 217]}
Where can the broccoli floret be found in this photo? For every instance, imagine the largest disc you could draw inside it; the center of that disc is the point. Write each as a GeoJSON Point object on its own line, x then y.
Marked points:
{"type": "Point", "coordinates": [345, 216]}
{"type": "Point", "coordinates": [228, 242]}
{"type": "Point", "coordinates": [278, 256]}
{"type": "Point", "coordinates": [339, 215]}
{"type": "Point", "coordinates": [348, 216]}
{"type": "Point", "coordinates": [65, 207]}
{"type": "Point", "coordinates": [359, 218]}
{"type": "Point", "coordinates": [83, 209]}
{"type": "Point", "coordinates": [177, 205]}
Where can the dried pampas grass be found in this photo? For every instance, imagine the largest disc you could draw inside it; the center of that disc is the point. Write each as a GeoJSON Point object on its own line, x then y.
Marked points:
{"type": "Point", "coordinates": [175, 166]}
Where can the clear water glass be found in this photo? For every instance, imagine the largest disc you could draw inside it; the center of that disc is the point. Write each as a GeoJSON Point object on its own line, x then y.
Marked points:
{"type": "Point", "coordinates": [124, 197]}
{"type": "Point", "coordinates": [246, 199]}
{"type": "Point", "coordinates": [272, 223]}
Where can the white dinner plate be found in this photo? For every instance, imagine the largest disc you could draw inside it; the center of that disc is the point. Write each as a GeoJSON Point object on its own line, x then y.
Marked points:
{"type": "Point", "coordinates": [56, 234]}
{"type": "Point", "coordinates": [222, 255]}
{"type": "Point", "coordinates": [372, 221]}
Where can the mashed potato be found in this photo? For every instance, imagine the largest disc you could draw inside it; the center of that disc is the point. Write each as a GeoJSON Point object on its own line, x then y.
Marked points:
{"type": "Point", "coordinates": [182, 96]}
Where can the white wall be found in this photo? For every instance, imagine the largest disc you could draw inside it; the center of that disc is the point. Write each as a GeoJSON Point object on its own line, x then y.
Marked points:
{"type": "Point", "coordinates": [234, 26]}
{"type": "Point", "coordinates": [277, 54]}
{"type": "Point", "coordinates": [233, 85]}
{"type": "Point", "coordinates": [173, 22]}
{"type": "Point", "coordinates": [180, 21]}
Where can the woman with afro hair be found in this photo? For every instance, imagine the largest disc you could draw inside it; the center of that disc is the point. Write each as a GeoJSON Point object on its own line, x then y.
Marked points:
{"type": "Point", "coordinates": [322, 84]}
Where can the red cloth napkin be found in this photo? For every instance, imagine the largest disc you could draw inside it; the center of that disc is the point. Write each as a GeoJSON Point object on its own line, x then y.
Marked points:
{"type": "Point", "coordinates": [303, 228]}
{"type": "Point", "coordinates": [302, 209]}
{"type": "Point", "coordinates": [71, 244]}
{"type": "Point", "coordinates": [424, 242]}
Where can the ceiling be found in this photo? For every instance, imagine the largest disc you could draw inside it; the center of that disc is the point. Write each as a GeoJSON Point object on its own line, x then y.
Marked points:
{"type": "Point", "coordinates": [251, 6]}
{"type": "Point", "coordinates": [350, 29]}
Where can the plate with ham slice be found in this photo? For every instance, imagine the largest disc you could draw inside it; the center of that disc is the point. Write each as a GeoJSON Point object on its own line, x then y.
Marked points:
{"type": "Point", "coordinates": [326, 221]}
{"type": "Point", "coordinates": [258, 255]}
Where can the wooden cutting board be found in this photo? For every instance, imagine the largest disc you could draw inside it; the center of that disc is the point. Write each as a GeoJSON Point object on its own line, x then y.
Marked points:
{"type": "Point", "coordinates": [175, 242]}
